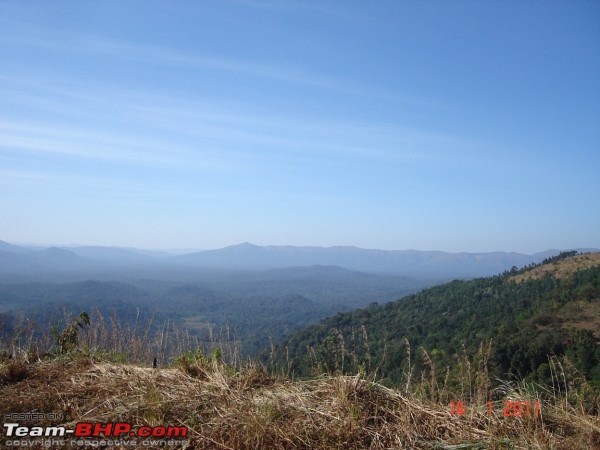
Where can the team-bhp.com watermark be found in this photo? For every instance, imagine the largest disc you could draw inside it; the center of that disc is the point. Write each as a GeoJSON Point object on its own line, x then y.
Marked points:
{"type": "Point", "coordinates": [87, 434]}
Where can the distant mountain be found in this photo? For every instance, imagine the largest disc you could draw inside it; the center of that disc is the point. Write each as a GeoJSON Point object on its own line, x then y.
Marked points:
{"type": "Point", "coordinates": [55, 263]}
{"type": "Point", "coordinates": [430, 264]}
{"type": "Point", "coordinates": [30, 262]}
{"type": "Point", "coordinates": [115, 255]}
{"type": "Point", "coordinates": [14, 263]}
{"type": "Point", "coordinates": [10, 248]}
{"type": "Point", "coordinates": [57, 256]}
{"type": "Point", "coordinates": [93, 261]}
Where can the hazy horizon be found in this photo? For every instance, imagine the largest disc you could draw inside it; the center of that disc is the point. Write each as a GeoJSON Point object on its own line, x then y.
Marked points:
{"type": "Point", "coordinates": [454, 126]}
{"type": "Point", "coordinates": [192, 250]}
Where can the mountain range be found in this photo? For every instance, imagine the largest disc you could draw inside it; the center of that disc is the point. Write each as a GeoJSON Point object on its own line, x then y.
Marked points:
{"type": "Point", "coordinates": [19, 261]}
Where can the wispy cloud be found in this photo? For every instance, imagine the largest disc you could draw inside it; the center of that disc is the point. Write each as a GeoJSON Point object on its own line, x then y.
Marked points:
{"type": "Point", "coordinates": [213, 131]}
{"type": "Point", "coordinates": [86, 44]}
{"type": "Point", "coordinates": [135, 151]}
{"type": "Point", "coordinates": [164, 128]}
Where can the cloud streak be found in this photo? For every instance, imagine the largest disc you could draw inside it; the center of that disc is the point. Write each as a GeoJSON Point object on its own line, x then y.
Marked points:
{"type": "Point", "coordinates": [86, 44]}
{"type": "Point", "coordinates": [210, 134]}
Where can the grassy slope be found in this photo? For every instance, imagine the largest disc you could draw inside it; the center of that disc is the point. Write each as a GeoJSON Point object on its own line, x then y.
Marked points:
{"type": "Point", "coordinates": [561, 269]}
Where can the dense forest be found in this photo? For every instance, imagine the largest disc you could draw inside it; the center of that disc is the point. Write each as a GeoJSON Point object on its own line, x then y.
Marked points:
{"type": "Point", "coordinates": [250, 308]}
{"type": "Point", "coordinates": [512, 324]}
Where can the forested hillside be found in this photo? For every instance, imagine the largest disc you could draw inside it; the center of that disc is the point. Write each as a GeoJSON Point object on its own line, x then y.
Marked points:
{"type": "Point", "coordinates": [512, 324]}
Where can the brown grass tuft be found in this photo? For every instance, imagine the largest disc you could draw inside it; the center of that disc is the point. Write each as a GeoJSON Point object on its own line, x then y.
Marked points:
{"type": "Point", "coordinates": [13, 371]}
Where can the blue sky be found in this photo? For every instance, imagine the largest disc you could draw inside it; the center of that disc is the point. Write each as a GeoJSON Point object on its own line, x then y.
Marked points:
{"type": "Point", "coordinates": [457, 126]}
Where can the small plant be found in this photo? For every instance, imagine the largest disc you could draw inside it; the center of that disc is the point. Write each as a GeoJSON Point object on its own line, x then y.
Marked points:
{"type": "Point", "coordinates": [68, 339]}
{"type": "Point", "coordinates": [197, 364]}
{"type": "Point", "coordinates": [216, 355]}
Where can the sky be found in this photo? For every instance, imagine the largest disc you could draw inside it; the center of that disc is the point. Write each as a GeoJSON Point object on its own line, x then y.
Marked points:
{"type": "Point", "coordinates": [430, 125]}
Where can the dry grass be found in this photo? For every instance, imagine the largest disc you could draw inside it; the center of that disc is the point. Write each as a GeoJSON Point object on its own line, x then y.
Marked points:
{"type": "Point", "coordinates": [560, 269]}
{"type": "Point", "coordinates": [248, 409]}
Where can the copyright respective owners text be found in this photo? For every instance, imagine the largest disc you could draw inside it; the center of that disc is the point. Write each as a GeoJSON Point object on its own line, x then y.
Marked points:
{"type": "Point", "coordinates": [18, 432]}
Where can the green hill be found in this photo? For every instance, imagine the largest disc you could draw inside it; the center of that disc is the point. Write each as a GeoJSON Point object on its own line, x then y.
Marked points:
{"type": "Point", "coordinates": [514, 326]}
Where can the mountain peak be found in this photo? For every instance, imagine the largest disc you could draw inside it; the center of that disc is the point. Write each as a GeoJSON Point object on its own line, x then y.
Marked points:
{"type": "Point", "coordinates": [245, 245]}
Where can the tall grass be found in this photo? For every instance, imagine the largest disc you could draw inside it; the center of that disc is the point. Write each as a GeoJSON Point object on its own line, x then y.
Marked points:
{"type": "Point", "coordinates": [138, 342]}
{"type": "Point", "coordinates": [229, 403]}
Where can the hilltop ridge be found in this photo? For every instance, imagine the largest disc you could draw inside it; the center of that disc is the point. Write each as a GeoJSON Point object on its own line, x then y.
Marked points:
{"type": "Point", "coordinates": [561, 268]}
